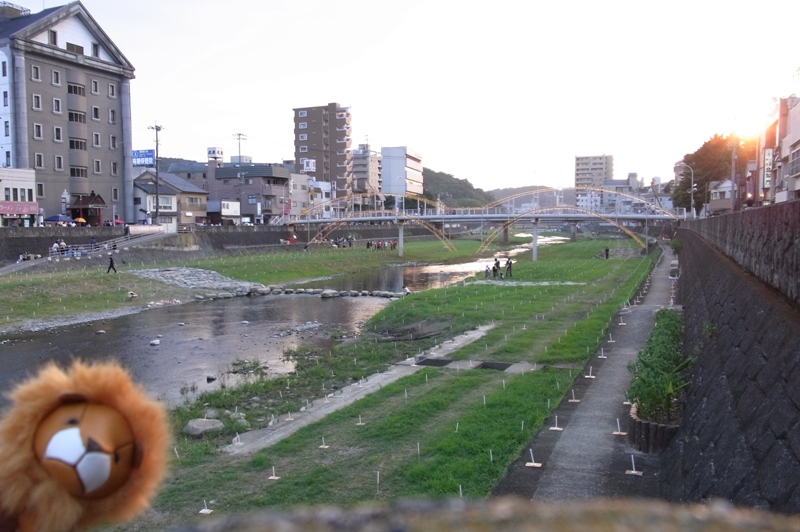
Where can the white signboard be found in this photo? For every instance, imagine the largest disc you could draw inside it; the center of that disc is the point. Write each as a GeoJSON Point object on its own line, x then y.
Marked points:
{"type": "Point", "coordinates": [229, 208]}
{"type": "Point", "coordinates": [767, 167]}
{"type": "Point", "coordinates": [309, 165]}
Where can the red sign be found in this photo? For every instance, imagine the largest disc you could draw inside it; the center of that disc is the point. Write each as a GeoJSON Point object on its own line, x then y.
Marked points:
{"type": "Point", "coordinates": [19, 207]}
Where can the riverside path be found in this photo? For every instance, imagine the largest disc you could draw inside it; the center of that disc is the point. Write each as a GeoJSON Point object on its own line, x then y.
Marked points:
{"type": "Point", "coordinates": [585, 459]}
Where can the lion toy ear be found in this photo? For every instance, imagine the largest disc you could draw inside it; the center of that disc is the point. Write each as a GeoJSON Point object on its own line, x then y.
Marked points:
{"type": "Point", "coordinates": [79, 447]}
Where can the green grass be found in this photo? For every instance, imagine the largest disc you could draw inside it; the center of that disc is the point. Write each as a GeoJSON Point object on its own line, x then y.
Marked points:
{"type": "Point", "coordinates": [497, 413]}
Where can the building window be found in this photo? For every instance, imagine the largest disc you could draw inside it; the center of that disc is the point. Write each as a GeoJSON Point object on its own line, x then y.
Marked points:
{"type": "Point", "coordinates": [252, 200]}
{"type": "Point", "coordinates": [95, 87]}
{"type": "Point", "coordinates": [95, 113]}
{"type": "Point", "coordinates": [77, 144]}
{"type": "Point", "coordinates": [74, 88]}
{"type": "Point", "coordinates": [95, 50]}
{"type": "Point", "coordinates": [112, 142]}
{"type": "Point", "coordinates": [74, 48]}
{"type": "Point", "coordinates": [57, 136]}
{"type": "Point", "coordinates": [97, 167]}
{"type": "Point", "coordinates": [56, 106]}
{"type": "Point", "coordinates": [7, 125]}
{"type": "Point", "coordinates": [37, 102]}
{"type": "Point", "coordinates": [78, 171]}
{"type": "Point", "coordinates": [303, 136]}
{"type": "Point", "coordinates": [52, 37]}
{"type": "Point", "coordinates": [96, 140]}
{"type": "Point", "coordinates": [77, 116]}
{"type": "Point", "coordinates": [794, 162]}
{"type": "Point", "coordinates": [114, 169]}
{"type": "Point", "coordinates": [302, 125]}
{"type": "Point", "coordinates": [112, 90]}
{"type": "Point", "coordinates": [114, 194]}
{"type": "Point", "coordinates": [38, 160]}
{"type": "Point", "coordinates": [8, 158]}
{"type": "Point", "coordinates": [112, 116]}
{"type": "Point", "coordinates": [36, 74]}
{"type": "Point", "coordinates": [40, 190]}
{"type": "Point", "coordinates": [56, 77]}
{"type": "Point", "coordinates": [303, 149]}
{"type": "Point", "coordinates": [58, 163]}
{"type": "Point", "coordinates": [37, 131]}
{"type": "Point", "coordinates": [5, 69]}
{"type": "Point", "coordinates": [5, 98]}
{"type": "Point", "coordinates": [302, 114]}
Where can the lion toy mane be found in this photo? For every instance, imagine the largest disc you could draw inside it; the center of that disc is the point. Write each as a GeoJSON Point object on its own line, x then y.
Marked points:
{"type": "Point", "coordinates": [79, 447]}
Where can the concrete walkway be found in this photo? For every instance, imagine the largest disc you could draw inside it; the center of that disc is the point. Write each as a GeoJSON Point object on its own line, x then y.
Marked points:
{"type": "Point", "coordinates": [585, 459]}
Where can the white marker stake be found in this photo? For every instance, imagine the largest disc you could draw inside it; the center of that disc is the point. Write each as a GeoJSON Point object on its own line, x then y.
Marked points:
{"type": "Point", "coordinates": [290, 418]}
{"type": "Point", "coordinates": [359, 421]}
{"type": "Point", "coordinates": [456, 426]}
{"type": "Point", "coordinates": [273, 477]}
{"type": "Point", "coordinates": [589, 376]}
{"type": "Point", "coordinates": [573, 400]}
{"type": "Point", "coordinates": [491, 457]}
{"type": "Point", "coordinates": [619, 431]}
{"type": "Point", "coordinates": [176, 453]}
{"type": "Point", "coordinates": [484, 401]}
{"type": "Point", "coordinates": [556, 427]}
{"type": "Point", "coordinates": [323, 446]}
{"type": "Point", "coordinates": [205, 509]}
{"type": "Point", "coordinates": [532, 463]}
{"type": "Point", "coordinates": [522, 429]}
{"type": "Point", "coordinates": [378, 490]}
{"type": "Point", "coordinates": [610, 340]}
{"type": "Point", "coordinates": [633, 471]}
{"type": "Point", "coordinates": [602, 353]}
{"type": "Point", "coordinates": [418, 455]}
{"type": "Point", "coordinates": [460, 493]}
{"type": "Point", "coordinates": [621, 322]}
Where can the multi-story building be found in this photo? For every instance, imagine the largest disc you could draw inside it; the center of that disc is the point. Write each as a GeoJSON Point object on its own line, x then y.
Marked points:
{"type": "Point", "coordinates": [367, 178]}
{"type": "Point", "coordinates": [18, 207]}
{"type": "Point", "coordinates": [401, 171]}
{"type": "Point", "coordinates": [65, 111]}
{"type": "Point", "coordinates": [778, 173]}
{"type": "Point", "coordinates": [591, 171]}
{"type": "Point", "coordinates": [322, 144]}
{"type": "Point", "coordinates": [180, 202]}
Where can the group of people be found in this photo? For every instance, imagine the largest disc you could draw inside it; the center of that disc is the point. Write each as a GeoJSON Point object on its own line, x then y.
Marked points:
{"type": "Point", "coordinates": [497, 269]}
{"type": "Point", "coordinates": [382, 244]}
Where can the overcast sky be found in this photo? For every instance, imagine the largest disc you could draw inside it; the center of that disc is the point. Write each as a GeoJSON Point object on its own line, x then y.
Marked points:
{"type": "Point", "coordinates": [502, 93]}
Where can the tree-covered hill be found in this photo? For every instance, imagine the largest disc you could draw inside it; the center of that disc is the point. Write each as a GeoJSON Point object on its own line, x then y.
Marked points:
{"type": "Point", "coordinates": [452, 191]}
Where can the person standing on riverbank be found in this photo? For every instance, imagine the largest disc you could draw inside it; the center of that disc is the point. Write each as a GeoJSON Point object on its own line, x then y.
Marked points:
{"type": "Point", "coordinates": [111, 264]}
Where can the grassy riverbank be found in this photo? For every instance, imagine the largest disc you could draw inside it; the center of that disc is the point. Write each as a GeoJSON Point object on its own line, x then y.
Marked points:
{"type": "Point", "coordinates": [436, 433]}
{"type": "Point", "coordinates": [35, 298]}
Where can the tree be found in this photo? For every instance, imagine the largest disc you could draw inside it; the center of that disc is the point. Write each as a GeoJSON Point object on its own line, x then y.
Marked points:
{"type": "Point", "coordinates": [711, 163]}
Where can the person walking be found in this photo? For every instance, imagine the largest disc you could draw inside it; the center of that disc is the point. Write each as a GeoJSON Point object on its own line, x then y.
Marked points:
{"type": "Point", "coordinates": [111, 264]}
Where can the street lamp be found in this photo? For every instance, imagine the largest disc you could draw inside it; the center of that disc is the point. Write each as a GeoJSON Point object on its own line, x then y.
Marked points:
{"type": "Point", "coordinates": [691, 192]}
{"type": "Point", "coordinates": [157, 128]}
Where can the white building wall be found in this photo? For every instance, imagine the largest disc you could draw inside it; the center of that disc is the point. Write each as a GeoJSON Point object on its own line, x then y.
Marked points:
{"type": "Point", "coordinates": [401, 171]}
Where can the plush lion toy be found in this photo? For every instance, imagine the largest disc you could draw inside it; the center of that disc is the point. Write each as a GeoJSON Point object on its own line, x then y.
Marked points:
{"type": "Point", "coordinates": [78, 448]}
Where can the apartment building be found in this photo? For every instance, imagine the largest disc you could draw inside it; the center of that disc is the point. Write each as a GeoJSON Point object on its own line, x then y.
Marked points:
{"type": "Point", "coordinates": [65, 111]}
{"type": "Point", "coordinates": [322, 145]}
{"type": "Point", "coordinates": [367, 178]}
{"type": "Point", "coordinates": [591, 171]}
{"type": "Point", "coordinates": [401, 171]}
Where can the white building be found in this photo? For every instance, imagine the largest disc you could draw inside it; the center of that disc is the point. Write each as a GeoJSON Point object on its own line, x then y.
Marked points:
{"type": "Point", "coordinates": [591, 171]}
{"type": "Point", "coordinates": [17, 205]}
{"type": "Point", "coordinates": [401, 171]}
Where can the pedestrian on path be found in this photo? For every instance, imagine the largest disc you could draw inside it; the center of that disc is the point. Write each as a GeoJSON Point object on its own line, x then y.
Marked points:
{"type": "Point", "coordinates": [111, 264]}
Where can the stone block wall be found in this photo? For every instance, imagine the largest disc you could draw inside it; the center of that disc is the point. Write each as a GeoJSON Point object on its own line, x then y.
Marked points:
{"type": "Point", "coordinates": [765, 241]}
{"type": "Point", "coordinates": [740, 437]}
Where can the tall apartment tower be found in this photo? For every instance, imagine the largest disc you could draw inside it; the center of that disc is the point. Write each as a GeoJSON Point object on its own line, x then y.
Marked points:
{"type": "Point", "coordinates": [367, 177]}
{"type": "Point", "coordinates": [66, 111]}
{"type": "Point", "coordinates": [591, 171]}
{"type": "Point", "coordinates": [322, 145]}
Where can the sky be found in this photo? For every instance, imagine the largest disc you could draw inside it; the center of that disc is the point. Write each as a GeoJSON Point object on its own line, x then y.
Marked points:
{"type": "Point", "coordinates": [503, 94]}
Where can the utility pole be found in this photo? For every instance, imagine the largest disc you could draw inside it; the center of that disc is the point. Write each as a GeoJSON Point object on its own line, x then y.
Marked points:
{"type": "Point", "coordinates": [157, 128]}
{"type": "Point", "coordinates": [240, 137]}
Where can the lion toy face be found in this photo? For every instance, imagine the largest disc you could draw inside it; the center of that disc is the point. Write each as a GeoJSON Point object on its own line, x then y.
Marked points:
{"type": "Point", "coordinates": [87, 448]}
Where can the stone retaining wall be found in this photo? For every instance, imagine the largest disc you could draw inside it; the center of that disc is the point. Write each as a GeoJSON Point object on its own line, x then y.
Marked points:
{"type": "Point", "coordinates": [740, 436]}
{"type": "Point", "coordinates": [765, 241]}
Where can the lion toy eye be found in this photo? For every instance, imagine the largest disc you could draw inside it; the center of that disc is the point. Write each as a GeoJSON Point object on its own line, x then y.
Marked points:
{"type": "Point", "coordinates": [87, 448]}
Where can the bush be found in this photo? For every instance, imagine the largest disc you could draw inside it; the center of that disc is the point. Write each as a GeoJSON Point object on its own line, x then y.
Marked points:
{"type": "Point", "coordinates": [658, 373]}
